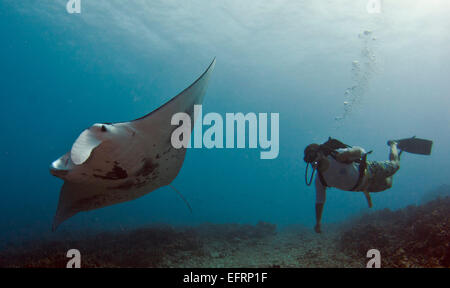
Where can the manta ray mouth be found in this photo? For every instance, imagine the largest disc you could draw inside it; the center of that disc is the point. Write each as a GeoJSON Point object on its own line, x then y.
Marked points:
{"type": "Point", "coordinates": [59, 167]}
{"type": "Point", "coordinates": [58, 172]}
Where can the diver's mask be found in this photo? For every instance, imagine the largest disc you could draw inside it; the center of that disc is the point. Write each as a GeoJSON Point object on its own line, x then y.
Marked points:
{"type": "Point", "coordinates": [311, 157]}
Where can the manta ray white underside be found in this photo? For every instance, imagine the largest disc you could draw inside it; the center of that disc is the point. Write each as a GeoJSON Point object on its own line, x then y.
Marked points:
{"type": "Point", "coordinates": [113, 163]}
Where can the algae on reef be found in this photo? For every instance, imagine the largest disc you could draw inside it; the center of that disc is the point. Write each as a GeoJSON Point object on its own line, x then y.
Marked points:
{"type": "Point", "coordinates": [416, 236]}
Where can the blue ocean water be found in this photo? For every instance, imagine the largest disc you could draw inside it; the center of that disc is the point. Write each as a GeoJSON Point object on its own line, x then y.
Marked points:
{"type": "Point", "coordinates": [118, 60]}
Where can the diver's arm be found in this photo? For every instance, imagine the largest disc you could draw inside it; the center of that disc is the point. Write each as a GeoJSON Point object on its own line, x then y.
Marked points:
{"type": "Point", "coordinates": [350, 154]}
{"type": "Point", "coordinates": [319, 209]}
{"type": "Point", "coordinates": [320, 201]}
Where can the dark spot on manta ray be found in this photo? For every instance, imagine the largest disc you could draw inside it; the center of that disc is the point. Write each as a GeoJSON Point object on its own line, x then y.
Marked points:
{"type": "Point", "coordinates": [129, 185]}
{"type": "Point", "coordinates": [104, 128]}
{"type": "Point", "coordinates": [115, 174]}
{"type": "Point", "coordinates": [157, 156]}
{"type": "Point", "coordinates": [147, 168]}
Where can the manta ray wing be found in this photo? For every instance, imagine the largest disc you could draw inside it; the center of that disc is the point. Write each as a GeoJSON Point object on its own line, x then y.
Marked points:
{"type": "Point", "coordinates": [137, 159]}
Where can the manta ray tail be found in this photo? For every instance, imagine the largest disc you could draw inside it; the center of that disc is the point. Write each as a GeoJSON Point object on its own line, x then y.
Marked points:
{"type": "Point", "coordinates": [182, 197]}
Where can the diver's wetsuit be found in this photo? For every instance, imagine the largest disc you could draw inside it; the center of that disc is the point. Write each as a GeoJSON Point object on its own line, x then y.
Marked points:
{"type": "Point", "coordinates": [378, 176]}
{"type": "Point", "coordinates": [339, 175]}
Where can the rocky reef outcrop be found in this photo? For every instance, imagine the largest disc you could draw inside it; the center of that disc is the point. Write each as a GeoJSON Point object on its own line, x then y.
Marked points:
{"type": "Point", "coordinates": [416, 236]}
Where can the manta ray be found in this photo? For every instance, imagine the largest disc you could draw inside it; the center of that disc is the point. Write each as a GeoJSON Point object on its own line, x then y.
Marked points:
{"type": "Point", "coordinates": [110, 163]}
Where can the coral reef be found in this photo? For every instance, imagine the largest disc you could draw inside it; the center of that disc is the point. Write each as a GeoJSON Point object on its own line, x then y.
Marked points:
{"type": "Point", "coordinates": [416, 236]}
{"type": "Point", "coordinates": [148, 246]}
{"type": "Point", "coordinates": [153, 246]}
{"type": "Point", "coordinates": [440, 192]}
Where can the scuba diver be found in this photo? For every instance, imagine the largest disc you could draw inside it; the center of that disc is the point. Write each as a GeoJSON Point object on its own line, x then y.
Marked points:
{"type": "Point", "coordinates": [345, 167]}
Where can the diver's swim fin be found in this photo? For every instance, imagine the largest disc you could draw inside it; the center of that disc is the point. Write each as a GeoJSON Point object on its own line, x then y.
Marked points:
{"type": "Point", "coordinates": [415, 145]}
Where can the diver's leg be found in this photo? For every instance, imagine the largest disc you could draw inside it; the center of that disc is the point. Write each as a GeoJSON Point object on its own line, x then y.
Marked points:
{"type": "Point", "coordinates": [380, 175]}
{"type": "Point", "coordinates": [394, 157]}
{"type": "Point", "coordinates": [381, 172]}
{"type": "Point", "coordinates": [393, 154]}
{"type": "Point", "coordinates": [391, 167]}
